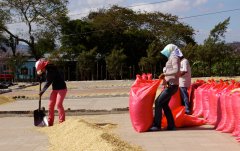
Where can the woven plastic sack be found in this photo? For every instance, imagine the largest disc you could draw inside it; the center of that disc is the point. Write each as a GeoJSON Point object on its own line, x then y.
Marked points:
{"type": "Point", "coordinates": [236, 113]}
{"type": "Point", "coordinates": [221, 109]}
{"type": "Point", "coordinates": [206, 99]}
{"type": "Point", "coordinates": [142, 95]}
{"type": "Point", "coordinates": [149, 75]}
{"type": "Point", "coordinates": [192, 92]}
{"type": "Point", "coordinates": [183, 120]}
{"type": "Point", "coordinates": [214, 98]}
{"type": "Point", "coordinates": [236, 109]}
{"type": "Point", "coordinates": [144, 76]}
{"type": "Point", "coordinates": [229, 125]}
{"type": "Point", "coordinates": [197, 107]}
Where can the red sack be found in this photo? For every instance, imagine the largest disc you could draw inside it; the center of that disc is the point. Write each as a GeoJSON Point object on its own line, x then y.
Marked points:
{"type": "Point", "coordinates": [177, 116]}
{"type": "Point", "coordinates": [214, 97]}
{"type": "Point", "coordinates": [183, 120]}
{"type": "Point", "coordinates": [236, 109]}
{"type": "Point", "coordinates": [142, 95]}
{"type": "Point", "coordinates": [144, 76]}
{"type": "Point", "coordinates": [192, 92]}
{"type": "Point", "coordinates": [149, 75]}
{"type": "Point", "coordinates": [197, 102]}
{"type": "Point", "coordinates": [221, 112]}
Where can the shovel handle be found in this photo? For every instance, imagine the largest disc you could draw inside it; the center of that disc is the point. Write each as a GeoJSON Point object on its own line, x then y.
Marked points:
{"type": "Point", "coordinates": [40, 88]}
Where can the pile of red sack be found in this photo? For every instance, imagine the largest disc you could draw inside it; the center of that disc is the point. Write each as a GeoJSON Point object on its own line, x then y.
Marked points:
{"type": "Point", "coordinates": [212, 102]}
{"type": "Point", "coordinates": [216, 102]}
{"type": "Point", "coordinates": [141, 100]}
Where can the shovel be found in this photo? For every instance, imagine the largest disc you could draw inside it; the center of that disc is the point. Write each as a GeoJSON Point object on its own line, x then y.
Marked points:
{"type": "Point", "coordinates": [40, 118]}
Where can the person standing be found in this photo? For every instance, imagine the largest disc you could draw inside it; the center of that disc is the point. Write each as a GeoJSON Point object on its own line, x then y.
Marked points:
{"type": "Point", "coordinates": [59, 89]}
{"type": "Point", "coordinates": [185, 83]}
{"type": "Point", "coordinates": [171, 76]}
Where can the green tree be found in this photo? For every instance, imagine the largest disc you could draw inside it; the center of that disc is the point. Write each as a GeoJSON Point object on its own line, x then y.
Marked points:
{"type": "Point", "coordinates": [190, 52]}
{"type": "Point", "coordinates": [45, 43]}
{"type": "Point", "coordinates": [214, 49]}
{"type": "Point", "coordinates": [3, 19]}
{"type": "Point", "coordinates": [86, 64]}
{"type": "Point", "coordinates": [122, 28]}
{"type": "Point", "coordinates": [115, 62]}
{"type": "Point", "coordinates": [118, 28]}
{"type": "Point", "coordinates": [46, 15]}
{"type": "Point", "coordinates": [149, 64]}
{"type": "Point", "coordinates": [74, 38]}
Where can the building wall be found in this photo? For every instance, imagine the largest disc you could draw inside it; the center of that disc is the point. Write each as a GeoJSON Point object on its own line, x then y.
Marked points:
{"type": "Point", "coordinates": [27, 71]}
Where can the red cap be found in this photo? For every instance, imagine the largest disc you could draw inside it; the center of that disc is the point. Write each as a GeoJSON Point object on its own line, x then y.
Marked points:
{"type": "Point", "coordinates": [41, 64]}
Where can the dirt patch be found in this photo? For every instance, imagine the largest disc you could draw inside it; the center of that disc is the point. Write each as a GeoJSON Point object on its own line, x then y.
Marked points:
{"type": "Point", "coordinates": [77, 134]}
{"type": "Point", "coordinates": [4, 99]}
{"type": "Point", "coordinates": [78, 89]}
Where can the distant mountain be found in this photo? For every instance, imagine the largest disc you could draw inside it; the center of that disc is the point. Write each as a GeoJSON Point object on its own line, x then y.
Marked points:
{"type": "Point", "coordinates": [22, 49]}
{"type": "Point", "coordinates": [236, 46]}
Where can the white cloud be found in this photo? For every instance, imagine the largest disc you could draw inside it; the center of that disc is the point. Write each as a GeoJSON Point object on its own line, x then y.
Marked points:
{"type": "Point", "coordinates": [220, 5]}
{"type": "Point", "coordinates": [82, 8]}
{"type": "Point", "coordinates": [174, 6]}
{"type": "Point", "coordinates": [79, 9]}
{"type": "Point", "coordinates": [199, 2]}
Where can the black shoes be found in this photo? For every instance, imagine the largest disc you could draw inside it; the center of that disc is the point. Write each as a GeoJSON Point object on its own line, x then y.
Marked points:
{"type": "Point", "coordinates": [154, 129]}
{"type": "Point", "coordinates": [171, 129]}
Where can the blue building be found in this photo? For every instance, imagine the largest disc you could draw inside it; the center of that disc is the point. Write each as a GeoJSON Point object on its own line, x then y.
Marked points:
{"type": "Point", "coordinates": [26, 72]}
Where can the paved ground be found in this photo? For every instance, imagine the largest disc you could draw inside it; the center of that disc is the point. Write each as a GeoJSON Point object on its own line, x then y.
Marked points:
{"type": "Point", "coordinates": [107, 103]}
{"type": "Point", "coordinates": [202, 138]}
{"type": "Point", "coordinates": [18, 133]}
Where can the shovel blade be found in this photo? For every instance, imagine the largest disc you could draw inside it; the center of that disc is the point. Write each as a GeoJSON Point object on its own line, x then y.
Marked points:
{"type": "Point", "coordinates": [40, 118]}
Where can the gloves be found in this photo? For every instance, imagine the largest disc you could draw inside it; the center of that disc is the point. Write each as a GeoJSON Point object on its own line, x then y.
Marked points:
{"type": "Point", "coordinates": [162, 76]}
{"type": "Point", "coordinates": [41, 78]}
{"type": "Point", "coordinates": [41, 93]}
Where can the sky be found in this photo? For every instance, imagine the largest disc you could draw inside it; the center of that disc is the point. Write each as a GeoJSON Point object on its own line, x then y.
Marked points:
{"type": "Point", "coordinates": [182, 8]}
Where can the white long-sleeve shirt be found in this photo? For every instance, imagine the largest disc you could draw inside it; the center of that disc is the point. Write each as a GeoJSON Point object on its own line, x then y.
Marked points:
{"type": "Point", "coordinates": [172, 70]}
{"type": "Point", "coordinates": [185, 80]}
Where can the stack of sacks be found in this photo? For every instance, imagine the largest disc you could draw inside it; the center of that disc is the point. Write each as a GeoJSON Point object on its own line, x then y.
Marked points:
{"type": "Point", "coordinates": [141, 99]}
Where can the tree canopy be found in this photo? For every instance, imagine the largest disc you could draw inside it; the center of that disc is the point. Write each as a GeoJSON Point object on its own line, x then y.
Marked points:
{"type": "Point", "coordinates": [38, 16]}
{"type": "Point", "coordinates": [117, 42]}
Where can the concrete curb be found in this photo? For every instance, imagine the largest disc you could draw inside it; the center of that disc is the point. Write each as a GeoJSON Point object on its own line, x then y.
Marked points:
{"type": "Point", "coordinates": [67, 112]}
